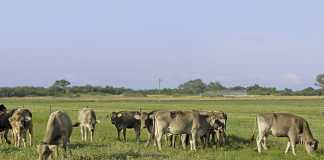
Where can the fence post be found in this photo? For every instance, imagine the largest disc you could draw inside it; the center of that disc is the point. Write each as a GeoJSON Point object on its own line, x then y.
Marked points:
{"type": "Point", "coordinates": [50, 111]}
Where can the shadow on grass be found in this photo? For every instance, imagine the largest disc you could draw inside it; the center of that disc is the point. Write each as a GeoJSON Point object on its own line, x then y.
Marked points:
{"type": "Point", "coordinates": [236, 143]}
{"type": "Point", "coordinates": [132, 154]}
{"type": "Point", "coordinates": [83, 145]}
{"type": "Point", "coordinates": [10, 150]}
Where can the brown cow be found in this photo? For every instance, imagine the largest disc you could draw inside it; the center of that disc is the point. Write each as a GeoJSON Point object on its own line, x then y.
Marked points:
{"type": "Point", "coordinates": [22, 124]}
{"type": "Point", "coordinates": [285, 125]}
{"type": "Point", "coordinates": [88, 121]}
{"type": "Point", "coordinates": [58, 130]}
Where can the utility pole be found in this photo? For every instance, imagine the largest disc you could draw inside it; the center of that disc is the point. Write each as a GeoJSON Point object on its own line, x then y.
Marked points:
{"type": "Point", "coordinates": [159, 82]}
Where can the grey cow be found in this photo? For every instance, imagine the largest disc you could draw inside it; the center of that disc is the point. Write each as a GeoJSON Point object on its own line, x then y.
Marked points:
{"type": "Point", "coordinates": [58, 130]}
{"type": "Point", "coordinates": [183, 123]}
{"type": "Point", "coordinates": [126, 119]}
{"type": "Point", "coordinates": [88, 121]}
{"type": "Point", "coordinates": [284, 125]}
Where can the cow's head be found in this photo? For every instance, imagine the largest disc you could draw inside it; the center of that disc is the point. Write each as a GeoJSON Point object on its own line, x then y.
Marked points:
{"type": "Point", "coordinates": [2, 108]}
{"type": "Point", "coordinates": [115, 117]}
{"type": "Point", "coordinates": [216, 123]}
{"type": "Point", "coordinates": [311, 145]}
{"type": "Point", "coordinates": [17, 121]}
{"type": "Point", "coordinates": [45, 151]}
{"type": "Point", "coordinates": [143, 117]}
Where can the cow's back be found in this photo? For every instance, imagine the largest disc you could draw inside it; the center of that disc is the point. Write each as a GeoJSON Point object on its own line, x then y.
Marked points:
{"type": "Point", "coordinates": [59, 124]}
{"type": "Point", "coordinates": [281, 123]}
{"type": "Point", "coordinates": [129, 121]}
{"type": "Point", "coordinates": [177, 122]}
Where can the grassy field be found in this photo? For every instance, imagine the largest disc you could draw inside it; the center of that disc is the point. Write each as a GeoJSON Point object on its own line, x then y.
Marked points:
{"type": "Point", "coordinates": [241, 112]}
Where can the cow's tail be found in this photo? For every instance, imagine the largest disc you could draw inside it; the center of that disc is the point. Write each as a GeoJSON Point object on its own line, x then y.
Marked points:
{"type": "Point", "coordinates": [254, 130]}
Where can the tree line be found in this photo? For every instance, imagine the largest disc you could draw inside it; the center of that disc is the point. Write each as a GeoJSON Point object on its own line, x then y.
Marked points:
{"type": "Point", "coordinates": [191, 87]}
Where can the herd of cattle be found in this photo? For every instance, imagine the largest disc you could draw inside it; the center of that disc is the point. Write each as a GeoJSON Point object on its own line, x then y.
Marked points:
{"type": "Point", "coordinates": [190, 126]}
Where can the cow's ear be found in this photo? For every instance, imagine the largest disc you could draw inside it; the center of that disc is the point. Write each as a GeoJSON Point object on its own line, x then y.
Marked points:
{"type": "Point", "coordinates": [97, 121]}
{"type": "Point", "coordinates": [119, 115]}
{"type": "Point", "coordinates": [28, 118]}
{"type": "Point", "coordinates": [136, 116]}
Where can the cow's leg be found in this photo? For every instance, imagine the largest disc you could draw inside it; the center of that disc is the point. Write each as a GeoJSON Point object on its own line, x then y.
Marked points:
{"type": "Point", "coordinates": [166, 139]}
{"type": "Point", "coordinates": [23, 136]}
{"type": "Point", "coordinates": [138, 134]}
{"type": "Point", "coordinates": [65, 145]}
{"type": "Point", "coordinates": [158, 137]}
{"type": "Point", "coordinates": [288, 147]}
{"type": "Point", "coordinates": [292, 139]}
{"type": "Point", "coordinates": [81, 131]}
{"type": "Point", "coordinates": [5, 135]}
{"type": "Point", "coordinates": [118, 133]}
{"type": "Point", "coordinates": [293, 144]}
{"type": "Point", "coordinates": [91, 135]}
{"type": "Point", "coordinates": [85, 133]}
{"type": "Point", "coordinates": [173, 140]}
{"type": "Point", "coordinates": [213, 140]}
{"type": "Point", "coordinates": [183, 141]}
{"type": "Point", "coordinates": [124, 134]}
{"type": "Point", "coordinates": [194, 139]}
{"type": "Point", "coordinates": [31, 135]}
{"type": "Point", "coordinates": [264, 142]}
{"type": "Point", "coordinates": [149, 138]}
{"type": "Point", "coordinates": [259, 141]}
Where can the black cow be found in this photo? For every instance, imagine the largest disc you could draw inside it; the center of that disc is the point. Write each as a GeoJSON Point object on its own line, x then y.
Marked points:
{"type": "Point", "coordinates": [5, 124]}
{"type": "Point", "coordinates": [126, 119]}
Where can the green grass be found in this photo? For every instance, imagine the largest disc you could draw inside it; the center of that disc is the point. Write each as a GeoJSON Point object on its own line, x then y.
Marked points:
{"type": "Point", "coordinates": [240, 124]}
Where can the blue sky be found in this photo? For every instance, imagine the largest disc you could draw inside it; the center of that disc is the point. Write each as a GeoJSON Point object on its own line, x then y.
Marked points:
{"type": "Point", "coordinates": [133, 43]}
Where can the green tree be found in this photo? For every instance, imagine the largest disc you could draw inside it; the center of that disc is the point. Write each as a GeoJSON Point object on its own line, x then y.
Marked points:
{"type": "Point", "coordinates": [60, 86]}
{"type": "Point", "coordinates": [320, 80]}
{"type": "Point", "coordinates": [215, 86]}
{"type": "Point", "coordinates": [196, 86]}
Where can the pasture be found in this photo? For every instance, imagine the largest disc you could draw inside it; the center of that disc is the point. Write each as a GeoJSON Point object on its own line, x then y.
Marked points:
{"type": "Point", "coordinates": [241, 114]}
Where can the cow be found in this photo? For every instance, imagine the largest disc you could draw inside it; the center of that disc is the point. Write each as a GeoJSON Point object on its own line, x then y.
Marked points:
{"type": "Point", "coordinates": [284, 125]}
{"type": "Point", "coordinates": [183, 123]}
{"type": "Point", "coordinates": [22, 124]}
{"type": "Point", "coordinates": [5, 124]}
{"type": "Point", "coordinates": [146, 119]}
{"type": "Point", "coordinates": [221, 132]}
{"type": "Point", "coordinates": [126, 119]}
{"type": "Point", "coordinates": [88, 121]}
{"type": "Point", "coordinates": [58, 130]}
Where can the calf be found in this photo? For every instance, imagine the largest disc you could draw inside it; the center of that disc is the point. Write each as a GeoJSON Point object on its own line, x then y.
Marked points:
{"type": "Point", "coordinates": [285, 125]}
{"type": "Point", "coordinates": [21, 123]}
{"type": "Point", "coordinates": [58, 130]}
{"type": "Point", "coordinates": [125, 119]}
{"type": "Point", "coordinates": [220, 132]}
{"type": "Point", "coordinates": [88, 121]}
